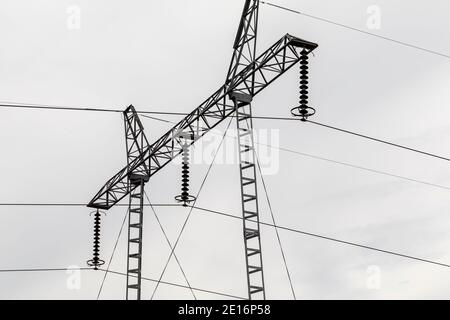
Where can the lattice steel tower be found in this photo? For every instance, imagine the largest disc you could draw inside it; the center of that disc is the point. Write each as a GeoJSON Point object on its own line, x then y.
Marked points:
{"type": "Point", "coordinates": [247, 76]}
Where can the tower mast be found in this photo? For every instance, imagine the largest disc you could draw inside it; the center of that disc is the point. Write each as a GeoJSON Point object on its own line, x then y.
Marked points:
{"type": "Point", "coordinates": [244, 54]}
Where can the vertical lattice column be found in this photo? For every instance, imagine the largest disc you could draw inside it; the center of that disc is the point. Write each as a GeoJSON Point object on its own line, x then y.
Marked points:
{"type": "Point", "coordinates": [136, 142]}
{"type": "Point", "coordinates": [249, 195]}
{"type": "Point", "coordinates": [135, 223]}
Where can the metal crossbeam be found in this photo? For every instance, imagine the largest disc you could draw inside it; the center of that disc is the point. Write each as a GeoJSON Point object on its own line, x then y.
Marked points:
{"type": "Point", "coordinates": [254, 78]}
{"type": "Point", "coordinates": [249, 197]}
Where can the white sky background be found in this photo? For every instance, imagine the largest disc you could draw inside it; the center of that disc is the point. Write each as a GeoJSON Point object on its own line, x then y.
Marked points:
{"type": "Point", "coordinates": [170, 56]}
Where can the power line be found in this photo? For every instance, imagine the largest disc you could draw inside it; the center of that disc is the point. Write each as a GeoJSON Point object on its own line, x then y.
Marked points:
{"type": "Point", "coordinates": [284, 149]}
{"type": "Point", "coordinates": [157, 119]}
{"type": "Point", "coordinates": [190, 211]}
{"type": "Point", "coordinates": [354, 244]}
{"type": "Point", "coordinates": [182, 286]}
{"type": "Point", "coordinates": [143, 113]}
{"type": "Point", "coordinates": [18, 204]}
{"type": "Point", "coordinates": [379, 140]}
{"type": "Point", "coordinates": [279, 227]}
{"type": "Point", "coordinates": [254, 117]}
{"type": "Point", "coordinates": [356, 134]}
{"type": "Point", "coordinates": [170, 245]}
{"type": "Point", "coordinates": [276, 229]}
{"type": "Point", "coordinates": [358, 30]}
{"type": "Point", "coordinates": [43, 269]}
{"type": "Point", "coordinates": [269, 225]}
{"type": "Point", "coordinates": [288, 150]}
{"type": "Point", "coordinates": [48, 107]}
{"type": "Point", "coordinates": [353, 166]}
{"type": "Point", "coordinates": [119, 273]}
{"type": "Point", "coordinates": [112, 254]}
{"type": "Point", "coordinates": [346, 164]}
{"type": "Point", "coordinates": [140, 112]}
{"type": "Point", "coordinates": [88, 109]}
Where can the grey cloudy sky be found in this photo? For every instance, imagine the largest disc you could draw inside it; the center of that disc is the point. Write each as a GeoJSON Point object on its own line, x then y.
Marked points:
{"type": "Point", "coordinates": [170, 56]}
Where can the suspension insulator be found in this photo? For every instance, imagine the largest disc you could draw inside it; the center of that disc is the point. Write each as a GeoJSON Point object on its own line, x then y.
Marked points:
{"type": "Point", "coordinates": [303, 110]}
{"type": "Point", "coordinates": [96, 261]}
{"type": "Point", "coordinates": [185, 197]}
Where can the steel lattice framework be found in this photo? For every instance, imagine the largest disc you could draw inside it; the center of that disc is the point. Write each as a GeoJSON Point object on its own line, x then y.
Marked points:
{"type": "Point", "coordinates": [246, 77]}
{"type": "Point", "coordinates": [255, 77]}
{"type": "Point", "coordinates": [136, 143]}
{"type": "Point", "coordinates": [245, 44]}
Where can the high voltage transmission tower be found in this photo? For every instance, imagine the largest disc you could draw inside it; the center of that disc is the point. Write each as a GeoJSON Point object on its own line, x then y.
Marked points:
{"type": "Point", "coordinates": [247, 76]}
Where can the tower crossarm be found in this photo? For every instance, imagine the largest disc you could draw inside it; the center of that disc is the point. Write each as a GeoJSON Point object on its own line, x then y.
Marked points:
{"type": "Point", "coordinates": [136, 141]}
{"type": "Point", "coordinates": [251, 80]}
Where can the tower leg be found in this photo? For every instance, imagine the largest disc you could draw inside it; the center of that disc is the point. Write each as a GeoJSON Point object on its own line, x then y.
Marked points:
{"type": "Point", "coordinates": [249, 197]}
{"type": "Point", "coordinates": [135, 223]}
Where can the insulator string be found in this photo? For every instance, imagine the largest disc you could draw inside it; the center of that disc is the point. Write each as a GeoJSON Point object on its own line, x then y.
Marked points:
{"type": "Point", "coordinates": [303, 110]}
{"type": "Point", "coordinates": [96, 261]}
{"type": "Point", "coordinates": [185, 198]}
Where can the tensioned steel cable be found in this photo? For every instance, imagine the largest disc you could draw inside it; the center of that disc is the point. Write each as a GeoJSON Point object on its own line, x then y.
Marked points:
{"type": "Point", "coordinates": [190, 211]}
{"type": "Point", "coordinates": [43, 269]}
{"type": "Point", "coordinates": [269, 225]}
{"type": "Point", "coordinates": [157, 119]}
{"type": "Point", "coordinates": [123, 274]}
{"type": "Point", "coordinates": [170, 245]}
{"type": "Point", "coordinates": [88, 109]}
{"type": "Point", "coordinates": [353, 166]}
{"type": "Point", "coordinates": [358, 135]}
{"type": "Point", "coordinates": [95, 109]}
{"type": "Point", "coordinates": [288, 150]}
{"type": "Point", "coordinates": [18, 204]}
{"type": "Point", "coordinates": [275, 227]}
{"type": "Point", "coordinates": [183, 286]}
{"type": "Point", "coordinates": [311, 234]}
{"type": "Point", "coordinates": [51, 107]}
{"type": "Point", "coordinates": [378, 140]}
{"type": "Point", "coordinates": [254, 117]}
{"type": "Point", "coordinates": [112, 254]}
{"type": "Point", "coordinates": [346, 164]}
{"type": "Point", "coordinates": [279, 227]}
{"type": "Point", "coordinates": [303, 154]}
{"type": "Point", "coordinates": [315, 235]}
{"type": "Point", "coordinates": [228, 215]}
{"type": "Point", "coordinates": [272, 214]}
{"type": "Point", "coordinates": [358, 30]}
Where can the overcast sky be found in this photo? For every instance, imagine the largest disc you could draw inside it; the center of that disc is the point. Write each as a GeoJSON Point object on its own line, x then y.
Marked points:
{"type": "Point", "coordinates": [170, 56]}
